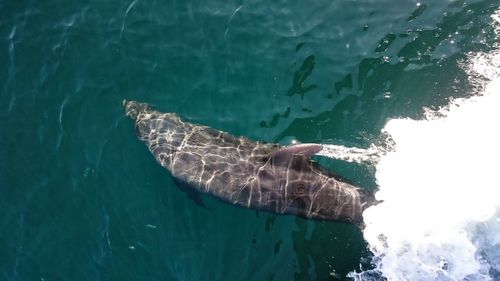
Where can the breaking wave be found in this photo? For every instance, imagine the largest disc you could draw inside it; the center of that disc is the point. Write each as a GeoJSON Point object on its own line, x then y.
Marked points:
{"type": "Point", "coordinates": [440, 216]}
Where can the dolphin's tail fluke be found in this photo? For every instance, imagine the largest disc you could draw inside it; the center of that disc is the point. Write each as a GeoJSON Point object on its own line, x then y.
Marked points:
{"type": "Point", "coordinates": [133, 108]}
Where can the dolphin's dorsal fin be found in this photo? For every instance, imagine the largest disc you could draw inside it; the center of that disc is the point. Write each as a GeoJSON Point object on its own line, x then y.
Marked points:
{"type": "Point", "coordinates": [303, 149]}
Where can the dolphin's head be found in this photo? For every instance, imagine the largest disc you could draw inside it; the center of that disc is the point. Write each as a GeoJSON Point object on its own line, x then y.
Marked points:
{"type": "Point", "coordinates": [338, 200]}
{"type": "Point", "coordinates": [313, 194]}
{"type": "Point", "coordinates": [309, 191]}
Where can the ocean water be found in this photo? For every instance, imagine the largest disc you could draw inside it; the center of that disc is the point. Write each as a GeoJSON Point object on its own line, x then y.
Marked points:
{"type": "Point", "coordinates": [82, 198]}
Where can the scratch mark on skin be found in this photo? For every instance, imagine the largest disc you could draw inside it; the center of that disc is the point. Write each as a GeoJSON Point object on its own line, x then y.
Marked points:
{"type": "Point", "coordinates": [259, 188]}
{"type": "Point", "coordinates": [250, 196]}
{"type": "Point", "coordinates": [200, 180]}
{"type": "Point", "coordinates": [209, 181]}
{"type": "Point", "coordinates": [287, 178]}
{"type": "Point", "coordinates": [313, 199]}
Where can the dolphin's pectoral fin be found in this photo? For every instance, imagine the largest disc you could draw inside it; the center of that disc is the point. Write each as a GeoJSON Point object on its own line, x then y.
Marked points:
{"type": "Point", "coordinates": [191, 192]}
{"type": "Point", "coordinates": [303, 149]}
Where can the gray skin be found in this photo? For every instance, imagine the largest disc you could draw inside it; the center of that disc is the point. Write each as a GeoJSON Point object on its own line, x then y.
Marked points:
{"type": "Point", "coordinates": [250, 174]}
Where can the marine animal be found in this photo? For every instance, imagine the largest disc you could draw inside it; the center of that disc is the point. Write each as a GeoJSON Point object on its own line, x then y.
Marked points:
{"type": "Point", "coordinates": [251, 174]}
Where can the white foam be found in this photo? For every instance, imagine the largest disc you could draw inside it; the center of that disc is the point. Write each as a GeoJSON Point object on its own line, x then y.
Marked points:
{"type": "Point", "coordinates": [441, 191]}
{"type": "Point", "coordinates": [369, 155]}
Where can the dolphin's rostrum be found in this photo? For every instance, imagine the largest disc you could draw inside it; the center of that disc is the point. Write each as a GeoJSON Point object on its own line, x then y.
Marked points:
{"type": "Point", "coordinates": [251, 174]}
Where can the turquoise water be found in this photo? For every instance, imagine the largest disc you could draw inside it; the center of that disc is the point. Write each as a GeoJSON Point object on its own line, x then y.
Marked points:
{"type": "Point", "coordinates": [83, 199]}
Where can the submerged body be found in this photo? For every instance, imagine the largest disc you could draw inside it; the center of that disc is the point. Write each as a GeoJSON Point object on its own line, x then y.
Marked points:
{"type": "Point", "coordinates": [251, 174]}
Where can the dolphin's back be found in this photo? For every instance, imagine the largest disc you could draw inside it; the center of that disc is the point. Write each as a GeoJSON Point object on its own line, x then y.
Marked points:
{"type": "Point", "coordinates": [213, 161]}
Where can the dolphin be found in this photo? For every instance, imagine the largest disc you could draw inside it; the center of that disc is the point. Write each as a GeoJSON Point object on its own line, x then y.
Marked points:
{"type": "Point", "coordinates": [251, 174]}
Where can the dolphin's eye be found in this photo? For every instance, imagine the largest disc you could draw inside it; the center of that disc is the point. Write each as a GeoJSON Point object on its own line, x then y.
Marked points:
{"type": "Point", "coordinates": [300, 189]}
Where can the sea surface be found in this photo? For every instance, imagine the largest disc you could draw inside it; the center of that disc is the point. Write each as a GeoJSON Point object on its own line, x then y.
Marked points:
{"type": "Point", "coordinates": [81, 198]}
